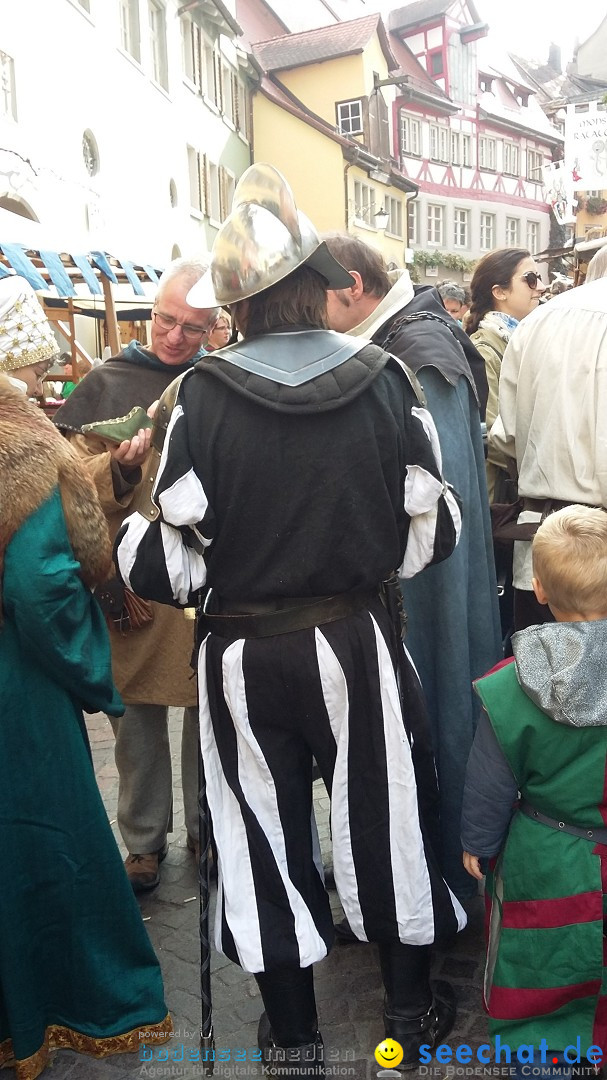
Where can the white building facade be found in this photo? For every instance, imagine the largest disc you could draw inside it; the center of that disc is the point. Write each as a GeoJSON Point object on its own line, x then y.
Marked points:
{"type": "Point", "coordinates": [124, 124]}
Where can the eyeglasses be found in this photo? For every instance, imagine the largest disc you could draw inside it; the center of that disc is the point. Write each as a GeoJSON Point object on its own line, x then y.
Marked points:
{"type": "Point", "coordinates": [531, 278]}
{"type": "Point", "coordinates": [167, 322]}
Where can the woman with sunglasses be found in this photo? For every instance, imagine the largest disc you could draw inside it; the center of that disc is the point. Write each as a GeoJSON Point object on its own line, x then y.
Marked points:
{"type": "Point", "coordinates": [505, 287]}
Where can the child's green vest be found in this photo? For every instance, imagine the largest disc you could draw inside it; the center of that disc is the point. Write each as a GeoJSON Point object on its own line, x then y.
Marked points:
{"type": "Point", "coordinates": [545, 973]}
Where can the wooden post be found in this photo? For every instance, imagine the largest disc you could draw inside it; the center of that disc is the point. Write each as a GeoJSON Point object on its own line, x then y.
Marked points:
{"type": "Point", "coordinates": [110, 316]}
{"type": "Point", "coordinates": [84, 360]}
{"type": "Point", "coordinates": [73, 350]}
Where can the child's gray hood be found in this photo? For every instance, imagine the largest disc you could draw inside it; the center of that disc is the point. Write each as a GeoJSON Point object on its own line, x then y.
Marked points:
{"type": "Point", "coordinates": [561, 667]}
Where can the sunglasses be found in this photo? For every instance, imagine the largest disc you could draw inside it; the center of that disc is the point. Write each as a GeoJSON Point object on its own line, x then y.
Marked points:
{"type": "Point", "coordinates": [531, 278]}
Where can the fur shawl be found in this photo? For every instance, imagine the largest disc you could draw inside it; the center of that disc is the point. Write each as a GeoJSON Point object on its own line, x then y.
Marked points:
{"type": "Point", "coordinates": [34, 460]}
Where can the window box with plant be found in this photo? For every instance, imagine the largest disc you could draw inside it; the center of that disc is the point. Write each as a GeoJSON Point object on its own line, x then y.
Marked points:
{"type": "Point", "coordinates": [443, 258]}
{"type": "Point", "coordinates": [595, 205]}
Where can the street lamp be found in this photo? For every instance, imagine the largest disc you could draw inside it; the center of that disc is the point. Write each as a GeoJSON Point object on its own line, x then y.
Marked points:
{"type": "Point", "coordinates": [382, 218]}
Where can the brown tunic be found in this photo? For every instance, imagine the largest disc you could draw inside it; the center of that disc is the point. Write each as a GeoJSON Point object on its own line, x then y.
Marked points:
{"type": "Point", "coordinates": [151, 666]}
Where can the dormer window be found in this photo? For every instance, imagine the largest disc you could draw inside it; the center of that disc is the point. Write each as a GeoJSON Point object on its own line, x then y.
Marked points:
{"type": "Point", "coordinates": [350, 117]}
{"type": "Point", "coordinates": [522, 97]}
{"type": "Point", "coordinates": [435, 63]}
{"type": "Point", "coordinates": [485, 84]}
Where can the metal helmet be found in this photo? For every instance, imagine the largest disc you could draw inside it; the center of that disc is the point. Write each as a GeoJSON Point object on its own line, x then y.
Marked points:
{"type": "Point", "coordinates": [264, 239]}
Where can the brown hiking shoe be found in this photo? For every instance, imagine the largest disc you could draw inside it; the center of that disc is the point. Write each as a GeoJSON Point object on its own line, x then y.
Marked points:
{"type": "Point", "coordinates": [143, 871]}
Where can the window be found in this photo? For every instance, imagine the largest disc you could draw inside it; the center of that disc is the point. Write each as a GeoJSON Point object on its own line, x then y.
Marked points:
{"type": "Point", "coordinates": [173, 193]}
{"type": "Point", "coordinates": [533, 236]}
{"type": "Point", "coordinates": [436, 221]}
{"type": "Point", "coordinates": [227, 93]}
{"type": "Point", "coordinates": [191, 41]}
{"type": "Point", "coordinates": [487, 232]}
{"type": "Point", "coordinates": [158, 43]}
{"type": "Point", "coordinates": [129, 28]}
{"type": "Point", "coordinates": [364, 203]}
{"type": "Point", "coordinates": [210, 84]}
{"type": "Point", "coordinates": [485, 84]}
{"type": "Point", "coordinates": [350, 117]}
{"type": "Point", "coordinates": [214, 199]}
{"type": "Point", "coordinates": [8, 101]}
{"type": "Point", "coordinates": [461, 228]}
{"type": "Point", "coordinates": [512, 232]}
{"type": "Point", "coordinates": [197, 175]}
{"type": "Point", "coordinates": [394, 210]}
{"type": "Point", "coordinates": [535, 160]}
{"type": "Point", "coordinates": [461, 153]}
{"type": "Point", "coordinates": [486, 153]}
{"type": "Point", "coordinates": [435, 63]}
{"type": "Point", "coordinates": [511, 158]}
{"type": "Point", "coordinates": [199, 61]}
{"type": "Point", "coordinates": [413, 220]}
{"type": "Point", "coordinates": [227, 184]}
{"type": "Point", "coordinates": [439, 143]}
{"type": "Point", "coordinates": [410, 135]}
{"type": "Point", "coordinates": [242, 109]}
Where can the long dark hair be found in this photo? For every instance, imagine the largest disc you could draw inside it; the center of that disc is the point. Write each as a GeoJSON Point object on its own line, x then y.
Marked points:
{"type": "Point", "coordinates": [496, 268]}
{"type": "Point", "coordinates": [299, 299]}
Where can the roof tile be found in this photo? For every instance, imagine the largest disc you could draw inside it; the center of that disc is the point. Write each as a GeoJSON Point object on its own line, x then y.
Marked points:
{"type": "Point", "coordinates": [314, 46]}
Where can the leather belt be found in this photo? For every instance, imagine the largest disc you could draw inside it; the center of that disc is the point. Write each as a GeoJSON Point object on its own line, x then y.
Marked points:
{"type": "Point", "coordinates": [548, 506]}
{"type": "Point", "coordinates": [595, 833]}
{"type": "Point", "coordinates": [284, 615]}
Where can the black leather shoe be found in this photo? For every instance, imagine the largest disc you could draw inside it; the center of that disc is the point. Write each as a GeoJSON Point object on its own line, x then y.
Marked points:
{"type": "Point", "coordinates": [304, 1062]}
{"type": "Point", "coordinates": [329, 877]}
{"type": "Point", "coordinates": [427, 1030]}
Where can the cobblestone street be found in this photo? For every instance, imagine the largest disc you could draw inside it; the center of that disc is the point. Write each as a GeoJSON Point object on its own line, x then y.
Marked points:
{"type": "Point", "coordinates": [348, 984]}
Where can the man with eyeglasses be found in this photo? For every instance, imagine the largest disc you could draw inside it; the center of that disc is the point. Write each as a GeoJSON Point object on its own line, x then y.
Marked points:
{"type": "Point", "coordinates": [151, 664]}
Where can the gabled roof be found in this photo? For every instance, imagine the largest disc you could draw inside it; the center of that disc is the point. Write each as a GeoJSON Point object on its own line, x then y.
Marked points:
{"type": "Point", "coordinates": [258, 20]}
{"type": "Point", "coordinates": [423, 11]}
{"type": "Point", "coordinates": [272, 88]}
{"type": "Point", "coordinates": [498, 64]}
{"type": "Point", "coordinates": [410, 65]}
{"type": "Point", "coordinates": [325, 43]}
{"type": "Point", "coordinates": [555, 88]}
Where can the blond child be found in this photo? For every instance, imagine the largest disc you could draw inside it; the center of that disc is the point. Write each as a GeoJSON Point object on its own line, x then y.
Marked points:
{"type": "Point", "coordinates": [535, 799]}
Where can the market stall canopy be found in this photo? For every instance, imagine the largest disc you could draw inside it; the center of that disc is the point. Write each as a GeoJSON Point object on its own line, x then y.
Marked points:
{"type": "Point", "coordinates": [36, 253]}
{"type": "Point", "coordinates": [126, 310]}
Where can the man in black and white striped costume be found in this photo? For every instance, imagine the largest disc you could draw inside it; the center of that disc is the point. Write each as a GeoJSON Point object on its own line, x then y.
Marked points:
{"type": "Point", "coordinates": [300, 470]}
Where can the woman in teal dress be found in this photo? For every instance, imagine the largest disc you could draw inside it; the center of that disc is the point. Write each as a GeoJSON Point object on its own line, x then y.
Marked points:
{"type": "Point", "coordinates": [77, 969]}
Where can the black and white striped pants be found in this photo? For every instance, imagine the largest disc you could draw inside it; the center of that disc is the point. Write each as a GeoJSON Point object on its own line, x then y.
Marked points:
{"type": "Point", "coordinates": [267, 708]}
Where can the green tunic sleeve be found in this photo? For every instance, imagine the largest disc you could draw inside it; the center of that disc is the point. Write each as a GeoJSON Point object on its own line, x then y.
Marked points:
{"type": "Point", "coordinates": [57, 619]}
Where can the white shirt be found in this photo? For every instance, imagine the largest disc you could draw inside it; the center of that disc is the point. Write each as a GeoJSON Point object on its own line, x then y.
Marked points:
{"type": "Point", "coordinates": [553, 405]}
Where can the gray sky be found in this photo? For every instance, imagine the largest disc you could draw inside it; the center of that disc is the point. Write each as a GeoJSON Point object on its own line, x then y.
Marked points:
{"type": "Point", "coordinates": [527, 27]}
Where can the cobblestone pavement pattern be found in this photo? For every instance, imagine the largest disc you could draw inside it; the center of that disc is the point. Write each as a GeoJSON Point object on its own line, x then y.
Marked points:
{"type": "Point", "coordinates": [348, 985]}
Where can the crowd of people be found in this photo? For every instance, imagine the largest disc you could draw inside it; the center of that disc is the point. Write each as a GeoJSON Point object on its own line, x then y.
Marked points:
{"type": "Point", "coordinates": [297, 461]}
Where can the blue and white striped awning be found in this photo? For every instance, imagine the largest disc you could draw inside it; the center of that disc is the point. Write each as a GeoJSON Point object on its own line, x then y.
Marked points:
{"type": "Point", "coordinates": [25, 251]}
